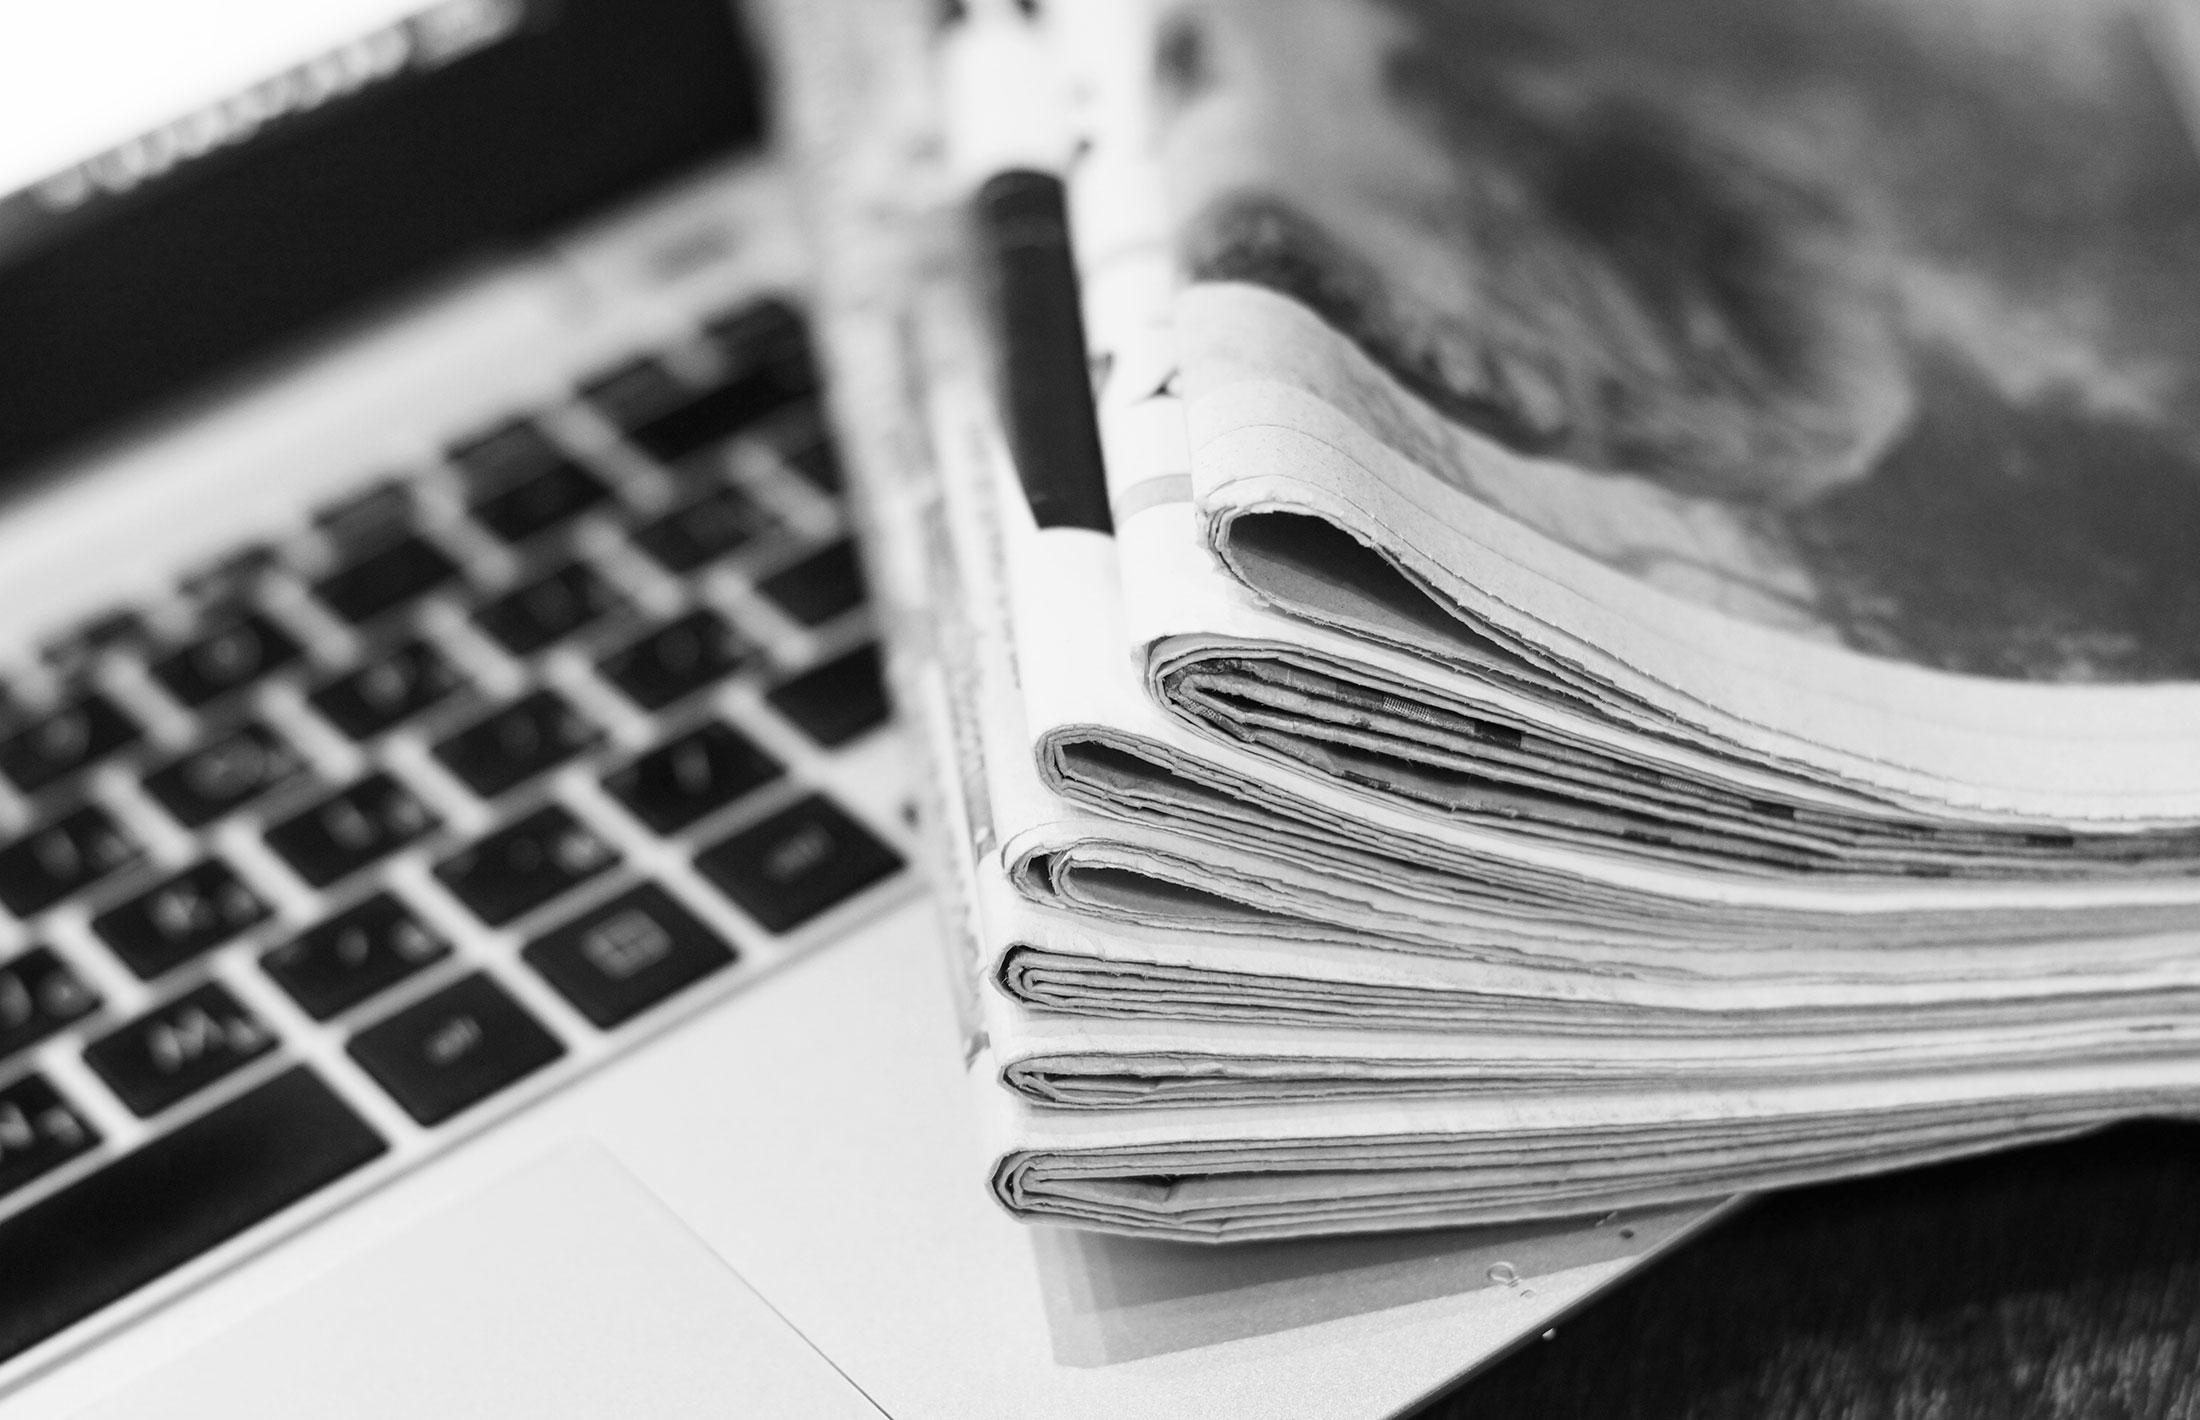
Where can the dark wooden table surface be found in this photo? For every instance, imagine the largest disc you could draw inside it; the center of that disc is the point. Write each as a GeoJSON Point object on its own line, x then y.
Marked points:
{"type": "Point", "coordinates": [2061, 1280]}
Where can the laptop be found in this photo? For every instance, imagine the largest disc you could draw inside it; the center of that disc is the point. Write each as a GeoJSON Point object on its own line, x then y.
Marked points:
{"type": "Point", "coordinates": [459, 953]}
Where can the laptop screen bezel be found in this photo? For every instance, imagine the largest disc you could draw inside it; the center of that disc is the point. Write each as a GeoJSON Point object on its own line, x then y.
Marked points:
{"type": "Point", "coordinates": [129, 306]}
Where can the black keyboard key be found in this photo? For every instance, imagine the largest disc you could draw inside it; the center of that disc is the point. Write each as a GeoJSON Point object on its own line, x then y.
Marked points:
{"type": "Point", "coordinates": [379, 697]}
{"type": "Point", "coordinates": [508, 748]}
{"type": "Point", "coordinates": [178, 1196]}
{"type": "Point", "coordinates": [835, 702]}
{"type": "Point", "coordinates": [797, 863]}
{"type": "Point", "coordinates": [676, 660]}
{"type": "Point", "coordinates": [39, 1132]}
{"type": "Point", "coordinates": [190, 914]}
{"type": "Point", "coordinates": [506, 454]}
{"type": "Point", "coordinates": [454, 1049]}
{"type": "Point", "coordinates": [622, 958]}
{"type": "Point", "coordinates": [71, 738]}
{"type": "Point", "coordinates": [368, 517]}
{"type": "Point", "coordinates": [351, 830]}
{"type": "Point", "coordinates": [383, 581]}
{"type": "Point", "coordinates": [38, 996]}
{"type": "Point", "coordinates": [358, 953]}
{"type": "Point", "coordinates": [176, 1050]}
{"type": "Point", "coordinates": [224, 775]}
{"type": "Point", "coordinates": [231, 576]}
{"type": "Point", "coordinates": [699, 773]}
{"type": "Point", "coordinates": [819, 587]}
{"type": "Point", "coordinates": [714, 417]}
{"type": "Point", "coordinates": [819, 463]}
{"type": "Point", "coordinates": [548, 609]}
{"type": "Point", "coordinates": [66, 857]}
{"type": "Point", "coordinates": [226, 660]}
{"type": "Point", "coordinates": [768, 335]}
{"type": "Point", "coordinates": [541, 503]}
{"type": "Point", "coordinates": [702, 531]}
{"type": "Point", "coordinates": [636, 392]}
{"type": "Point", "coordinates": [79, 645]}
{"type": "Point", "coordinates": [525, 864]}
{"type": "Point", "coordinates": [770, 352]}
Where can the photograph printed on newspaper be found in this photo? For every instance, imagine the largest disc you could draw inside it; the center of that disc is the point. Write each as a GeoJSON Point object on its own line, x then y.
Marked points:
{"type": "Point", "coordinates": [1859, 325]}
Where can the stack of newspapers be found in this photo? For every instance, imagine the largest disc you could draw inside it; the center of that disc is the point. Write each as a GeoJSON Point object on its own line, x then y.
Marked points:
{"type": "Point", "coordinates": [1642, 635]}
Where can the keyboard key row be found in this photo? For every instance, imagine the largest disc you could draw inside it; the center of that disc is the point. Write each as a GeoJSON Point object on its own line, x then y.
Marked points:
{"type": "Point", "coordinates": [343, 834]}
{"type": "Point", "coordinates": [657, 669]}
{"type": "Point", "coordinates": [783, 871]}
{"type": "Point", "coordinates": [833, 702]}
{"type": "Point", "coordinates": [669, 788]}
{"type": "Point", "coordinates": [612, 961]}
{"type": "Point", "coordinates": [663, 666]}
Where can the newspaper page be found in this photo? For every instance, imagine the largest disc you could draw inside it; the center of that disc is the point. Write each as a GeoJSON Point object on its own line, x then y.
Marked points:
{"type": "Point", "coordinates": [1469, 1090]}
{"type": "Point", "coordinates": [1270, 1132]}
{"type": "Point", "coordinates": [1784, 413]}
{"type": "Point", "coordinates": [1558, 837]}
{"type": "Point", "coordinates": [1239, 1171]}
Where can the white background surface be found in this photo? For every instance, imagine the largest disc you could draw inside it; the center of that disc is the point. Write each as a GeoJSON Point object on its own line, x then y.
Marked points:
{"type": "Point", "coordinates": [79, 76]}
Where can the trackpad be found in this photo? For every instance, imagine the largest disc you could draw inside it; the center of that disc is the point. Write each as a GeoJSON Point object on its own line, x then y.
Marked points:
{"type": "Point", "coordinates": [566, 1290]}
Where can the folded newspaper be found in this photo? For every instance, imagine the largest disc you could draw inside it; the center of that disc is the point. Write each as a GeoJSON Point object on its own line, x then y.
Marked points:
{"type": "Point", "coordinates": [1644, 636]}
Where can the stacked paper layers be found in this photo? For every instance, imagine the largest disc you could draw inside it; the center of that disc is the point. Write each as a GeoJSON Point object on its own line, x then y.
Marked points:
{"type": "Point", "coordinates": [1611, 679]}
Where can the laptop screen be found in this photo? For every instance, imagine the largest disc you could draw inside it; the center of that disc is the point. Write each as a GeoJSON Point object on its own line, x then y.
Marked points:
{"type": "Point", "coordinates": [186, 185]}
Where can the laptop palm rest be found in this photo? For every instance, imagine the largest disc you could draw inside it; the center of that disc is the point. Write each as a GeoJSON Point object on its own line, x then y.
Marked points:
{"type": "Point", "coordinates": [566, 1290]}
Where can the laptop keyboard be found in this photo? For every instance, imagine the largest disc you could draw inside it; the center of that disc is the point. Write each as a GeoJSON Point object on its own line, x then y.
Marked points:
{"type": "Point", "coordinates": [486, 764]}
